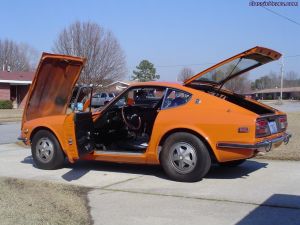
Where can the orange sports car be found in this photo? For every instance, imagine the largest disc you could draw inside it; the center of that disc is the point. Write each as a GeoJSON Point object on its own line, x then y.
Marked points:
{"type": "Point", "coordinates": [183, 127]}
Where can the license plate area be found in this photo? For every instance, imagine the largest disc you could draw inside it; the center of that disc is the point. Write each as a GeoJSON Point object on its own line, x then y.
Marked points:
{"type": "Point", "coordinates": [273, 127]}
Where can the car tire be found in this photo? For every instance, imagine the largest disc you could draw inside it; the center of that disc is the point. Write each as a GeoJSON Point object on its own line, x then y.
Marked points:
{"type": "Point", "coordinates": [46, 151]}
{"type": "Point", "coordinates": [232, 163]}
{"type": "Point", "coordinates": [185, 157]}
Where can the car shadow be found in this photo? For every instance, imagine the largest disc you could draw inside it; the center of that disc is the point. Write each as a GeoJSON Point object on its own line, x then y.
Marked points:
{"type": "Point", "coordinates": [28, 160]}
{"type": "Point", "coordinates": [80, 168]}
{"type": "Point", "coordinates": [277, 209]}
{"type": "Point", "coordinates": [241, 171]}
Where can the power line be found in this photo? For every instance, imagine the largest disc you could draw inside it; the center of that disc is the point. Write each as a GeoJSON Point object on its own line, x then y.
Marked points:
{"type": "Point", "coordinates": [282, 16]}
{"type": "Point", "coordinates": [181, 65]}
{"type": "Point", "coordinates": [200, 64]}
{"type": "Point", "coordinates": [292, 56]}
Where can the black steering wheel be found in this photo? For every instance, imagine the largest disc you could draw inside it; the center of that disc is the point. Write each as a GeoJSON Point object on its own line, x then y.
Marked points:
{"type": "Point", "coordinates": [129, 119]}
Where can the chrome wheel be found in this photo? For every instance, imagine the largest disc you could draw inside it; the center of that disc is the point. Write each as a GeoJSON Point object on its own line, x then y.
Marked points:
{"type": "Point", "coordinates": [44, 150]}
{"type": "Point", "coordinates": [183, 157]}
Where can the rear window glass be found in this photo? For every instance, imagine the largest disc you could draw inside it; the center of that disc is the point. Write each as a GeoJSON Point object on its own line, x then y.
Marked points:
{"type": "Point", "coordinates": [175, 98]}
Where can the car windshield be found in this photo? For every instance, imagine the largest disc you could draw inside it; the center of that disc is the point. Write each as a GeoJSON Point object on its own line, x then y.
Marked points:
{"type": "Point", "coordinates": [230, 69]}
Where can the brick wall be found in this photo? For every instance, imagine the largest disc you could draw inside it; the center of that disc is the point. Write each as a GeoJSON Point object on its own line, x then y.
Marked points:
{"type": "Point", "coordinates": [4, 91]}
{"type": "Point", "coordinates": [22, 105]}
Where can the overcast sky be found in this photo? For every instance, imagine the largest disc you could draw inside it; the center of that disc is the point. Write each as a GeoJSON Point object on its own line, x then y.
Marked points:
{"type": "Point", "coordinates": [169, 33]}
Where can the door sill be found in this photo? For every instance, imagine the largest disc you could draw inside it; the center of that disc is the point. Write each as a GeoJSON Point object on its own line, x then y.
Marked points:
{"type": "Point", "coordinates": [112, 152]}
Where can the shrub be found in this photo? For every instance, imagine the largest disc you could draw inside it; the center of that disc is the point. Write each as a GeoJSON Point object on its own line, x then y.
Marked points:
{"type": "Point", "coordinates": [6, 104]}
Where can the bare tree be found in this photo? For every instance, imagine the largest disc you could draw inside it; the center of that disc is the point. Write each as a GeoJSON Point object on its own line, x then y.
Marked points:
{"type": "Point", "coordinates": [105, 58]}
{"type": "Point", "coordinates": [240, 84]}
{"type": "Point", "coordinates": [16, 57]}
{"type": "Point", "coordinates": [31, 54]}
{"type": "Point", "coordinates": [185, 73]}
{"type": "Point", "coordinates": [272, 80]}
{"type": "Point", "coordinates": [291, 79]}
{"type": "Point", "coordinates": [292, 75]}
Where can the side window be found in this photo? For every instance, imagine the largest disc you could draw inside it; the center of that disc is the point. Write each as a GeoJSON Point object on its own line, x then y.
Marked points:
{"type": "Point", "coordinates": [175, 98]}
{"type": "Point", "coordinates": [111, 95]}
{"type": "Point", "coordinates": [142, 96]}
{"type": "Point", "coordinates": [103, 95]}
{"type": "Point", "coordinates": [148, 96]}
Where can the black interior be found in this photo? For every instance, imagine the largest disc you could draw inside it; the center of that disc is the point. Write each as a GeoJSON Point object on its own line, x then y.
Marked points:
{"type": "Point", "coordinates": [241, 101]}
{"type": "Point", "coordinates": [84, 130]}
{"type": "Point", "coordinates": [111, 133]}
{"type": "Point", "coordinates": [234, 98]}
{"type": "Point", "coordinates": [112, 130]}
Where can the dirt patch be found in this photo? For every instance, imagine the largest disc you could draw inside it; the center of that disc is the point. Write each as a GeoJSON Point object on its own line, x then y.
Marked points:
{"type": "Point", "coordinates": [292, 150]}
{"type": "Point", "coordinates": [37, 202]}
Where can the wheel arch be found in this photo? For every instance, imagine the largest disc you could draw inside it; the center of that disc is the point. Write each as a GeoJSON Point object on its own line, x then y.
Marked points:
{"type": "Point", "coordinates": [187, 130]}
{"type": "Point", "coordinates": [37, 129]}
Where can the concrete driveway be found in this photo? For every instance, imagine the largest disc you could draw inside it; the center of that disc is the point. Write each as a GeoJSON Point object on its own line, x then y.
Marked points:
{"type": "Point", "coordinates": [10, 131]}
{"type": "Point", "coordinates": [258, 192]}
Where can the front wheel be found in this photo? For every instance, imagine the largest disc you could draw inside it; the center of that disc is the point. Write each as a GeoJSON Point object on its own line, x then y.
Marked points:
{"type": "Point", "coordinates": [46, 151]}
{"type": "Point", "coordinates": [185, 157]}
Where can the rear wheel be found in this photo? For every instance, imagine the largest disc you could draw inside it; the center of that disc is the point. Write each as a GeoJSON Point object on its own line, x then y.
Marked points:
{"type": "Point", "coordinates": [185, 157]}
{"type": "Point", "coordinates": [46, 151]}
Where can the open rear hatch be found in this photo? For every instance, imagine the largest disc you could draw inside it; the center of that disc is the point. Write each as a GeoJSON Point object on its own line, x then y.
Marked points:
{"type": "Point", "coordinates": [239, 64]}
{"type": "Point", "coordinates": [212, 79]}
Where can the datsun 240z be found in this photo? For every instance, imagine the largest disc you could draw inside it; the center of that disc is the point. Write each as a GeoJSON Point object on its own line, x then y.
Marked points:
{"type": "Point", "coordinates": [183, 127]}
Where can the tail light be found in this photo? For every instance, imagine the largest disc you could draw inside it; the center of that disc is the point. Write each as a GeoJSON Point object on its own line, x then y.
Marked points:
{"type": "Point", "coordinates": [262, 128]}
{"type": "Point", "coordinates": [282, 122]}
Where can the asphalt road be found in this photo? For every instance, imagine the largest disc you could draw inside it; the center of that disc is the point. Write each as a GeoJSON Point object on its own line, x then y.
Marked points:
{"type": "Point", "coordinates": [258, 192]}
{"type": "Point", "coordinates": [9, 131]}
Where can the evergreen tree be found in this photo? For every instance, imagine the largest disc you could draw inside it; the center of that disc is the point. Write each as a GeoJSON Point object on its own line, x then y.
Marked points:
{"type": "Point", "coordinates": [145, 72]}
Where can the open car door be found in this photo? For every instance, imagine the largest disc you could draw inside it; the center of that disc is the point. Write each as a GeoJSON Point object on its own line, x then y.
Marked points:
{"type": "Point", "coordinates": [79, 126]}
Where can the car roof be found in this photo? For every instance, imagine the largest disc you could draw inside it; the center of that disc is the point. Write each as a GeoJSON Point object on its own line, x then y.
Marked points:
{"type": "Point", "coordinates": [175, 85]}
{"type": "Point", "coordinates": [158, 83]}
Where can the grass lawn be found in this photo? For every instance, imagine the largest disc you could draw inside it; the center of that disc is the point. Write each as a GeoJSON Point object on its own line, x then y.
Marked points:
{"type": "Point", "coordinates": [36, 202]}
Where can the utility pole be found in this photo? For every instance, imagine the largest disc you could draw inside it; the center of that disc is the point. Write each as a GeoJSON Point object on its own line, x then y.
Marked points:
{"type": "Point", "coordinates": [281, 80]}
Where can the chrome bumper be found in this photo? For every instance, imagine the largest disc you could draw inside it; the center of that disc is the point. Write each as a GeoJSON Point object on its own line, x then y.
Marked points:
{"type": "Point", "coordinates": [22, 139]}
{"type": "Point", "coordinates": [263, 146]}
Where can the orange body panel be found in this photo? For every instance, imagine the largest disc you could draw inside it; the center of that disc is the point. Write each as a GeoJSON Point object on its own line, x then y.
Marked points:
{"type": "Point", "coordinates": [211, 118]}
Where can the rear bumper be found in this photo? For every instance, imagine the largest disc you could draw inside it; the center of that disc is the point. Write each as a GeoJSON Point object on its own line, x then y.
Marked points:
{"type": "Point", "coordinates": [263, 146]}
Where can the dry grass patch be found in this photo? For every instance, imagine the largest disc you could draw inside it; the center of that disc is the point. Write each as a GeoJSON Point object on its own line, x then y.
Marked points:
{"type": "Point", "coordinates": [292, 150]}
{"type": "Point", "coordinates": [37, 202]}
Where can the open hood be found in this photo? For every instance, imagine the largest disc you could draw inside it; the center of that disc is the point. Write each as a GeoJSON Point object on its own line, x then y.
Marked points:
{"type": "Point", "coordinates": [222, 72]}
{"type": "Point", "coordinates": [52, 86]}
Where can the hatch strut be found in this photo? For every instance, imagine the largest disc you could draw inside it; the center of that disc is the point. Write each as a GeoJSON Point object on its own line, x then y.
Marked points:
{"type": "Point", "coordinates": [230, 73]}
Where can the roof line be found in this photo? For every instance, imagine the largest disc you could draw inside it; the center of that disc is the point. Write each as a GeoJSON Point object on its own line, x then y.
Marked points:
{"type": "Point", "coordinates": [16, 81]}
{"type": "Point", "coordinates": [116, 82]}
